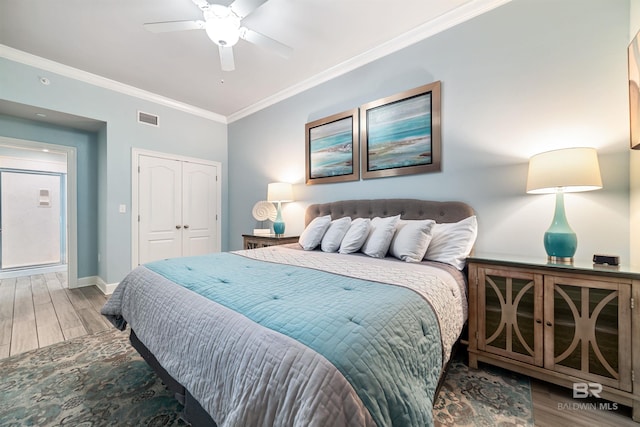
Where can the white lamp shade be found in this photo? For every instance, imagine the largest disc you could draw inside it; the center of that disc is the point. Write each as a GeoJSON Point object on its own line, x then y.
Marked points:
{"type": "Point", "coordinates": [567, 170]}
{"type": "Point", "coordinates": [280, 192]}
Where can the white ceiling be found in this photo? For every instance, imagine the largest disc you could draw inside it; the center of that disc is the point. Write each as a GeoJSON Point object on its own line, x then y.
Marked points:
{"type": "Point", "coordinates": [329, 37]}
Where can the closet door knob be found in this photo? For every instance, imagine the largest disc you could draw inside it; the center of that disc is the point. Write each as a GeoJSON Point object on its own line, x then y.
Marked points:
{"type": "Point", "coordinates": [186, 226]}
{"type": "Point", "coordinates": [178, 227]}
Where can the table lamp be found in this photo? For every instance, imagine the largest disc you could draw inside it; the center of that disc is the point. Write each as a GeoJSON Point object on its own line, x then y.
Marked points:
{"type": "Point", "coordinates": [563, 171]}
{"type": "Point", "coordinates": [279, 192]}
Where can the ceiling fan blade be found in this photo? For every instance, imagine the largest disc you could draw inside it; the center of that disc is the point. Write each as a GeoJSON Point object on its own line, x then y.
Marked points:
{"type": "Point", "coordinates": [226, 58]}
{"type": "Point", "coordinates": [244, 7]}
{"type": "Point", "coordinates": [202, 4]}
{"type": "Point", "coordinates": [165, 27]}
{"type": "Point", "coordinates": [266, 42]}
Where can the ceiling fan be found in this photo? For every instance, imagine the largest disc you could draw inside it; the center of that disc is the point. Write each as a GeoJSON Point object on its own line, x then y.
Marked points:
{"type": "Point", "coordinates": [223, 26]}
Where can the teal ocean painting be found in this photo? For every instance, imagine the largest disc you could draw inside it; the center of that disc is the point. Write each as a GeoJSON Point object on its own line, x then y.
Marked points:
{"type": "Point", "coordinates": [399, 134]}
{"type": "Point", "coordinates": [331, 149]}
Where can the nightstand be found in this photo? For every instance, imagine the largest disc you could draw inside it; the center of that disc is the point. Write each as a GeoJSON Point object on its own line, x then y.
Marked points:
{"type": "Point", "coordinates": [253, 241]}
{"type": "Point", "coordinates": [566, 324]}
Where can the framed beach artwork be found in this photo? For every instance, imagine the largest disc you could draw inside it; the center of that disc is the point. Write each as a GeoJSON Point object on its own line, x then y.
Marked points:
{"type": "Point", "coordinates": [331, 149]}
{"type": "Point", "coordinates": [634, 92]}
{"type": "Point", "coordinates": [400, 134]}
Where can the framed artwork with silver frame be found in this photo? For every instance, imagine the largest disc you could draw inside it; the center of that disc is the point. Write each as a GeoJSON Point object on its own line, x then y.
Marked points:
{"type": "Point", "coordinates": [634, 92]}
{"type": "Point", "coordinates": [400, 134]}
{"type": "Point", "coordinates": [332, 149]}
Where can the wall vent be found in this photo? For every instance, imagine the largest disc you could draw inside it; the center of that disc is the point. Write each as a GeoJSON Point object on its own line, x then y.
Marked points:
{"type": "Point", "coordinates": [148, 119]}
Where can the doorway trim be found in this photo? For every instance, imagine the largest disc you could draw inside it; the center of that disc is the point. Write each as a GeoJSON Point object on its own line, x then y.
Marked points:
{"type": "Point", "coordinates": [135, 164]}
{"type": "Point", "coordinates": [72, 195]}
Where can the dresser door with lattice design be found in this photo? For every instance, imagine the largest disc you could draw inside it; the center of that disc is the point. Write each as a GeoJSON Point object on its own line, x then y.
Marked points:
{"type": "Point", "coordinates": [587, 329]}
{"type": "Point", "coordinates": [510, 314]}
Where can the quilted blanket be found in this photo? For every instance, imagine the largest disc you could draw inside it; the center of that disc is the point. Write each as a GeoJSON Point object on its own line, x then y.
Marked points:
{"type": "Point", "coordinates": [262, 343]}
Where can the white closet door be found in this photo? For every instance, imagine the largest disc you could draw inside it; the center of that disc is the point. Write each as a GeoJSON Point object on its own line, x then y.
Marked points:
{"type": "Point", "coordinates": [199, 209]}
{"type": "Point", "coordinates": [160, 209]}
{"type": "Point", "coordinates": [30, 219]}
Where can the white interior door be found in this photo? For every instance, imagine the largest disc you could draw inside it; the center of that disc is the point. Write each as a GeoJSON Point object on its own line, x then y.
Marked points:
{"type": "Point", "coordinates": [176, 206]}
{"type": "Point", "coordinates": [199, 207]}
{"type": "Point", "coordinates": [160, 208]}
{"type": "Point", "coordinates": [31, 219]}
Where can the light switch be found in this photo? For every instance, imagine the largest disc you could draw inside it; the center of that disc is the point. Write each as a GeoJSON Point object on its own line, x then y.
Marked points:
{"type": "Point", "coordinates": [123, 209]}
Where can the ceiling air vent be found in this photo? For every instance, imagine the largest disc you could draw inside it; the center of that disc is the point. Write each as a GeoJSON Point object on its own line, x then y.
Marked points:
{"type": "Point", "coordinates": [148, 119]}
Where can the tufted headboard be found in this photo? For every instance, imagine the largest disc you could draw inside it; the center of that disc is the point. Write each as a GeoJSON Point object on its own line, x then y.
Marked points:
{"type": "Point", "coordinates": [408, 208]}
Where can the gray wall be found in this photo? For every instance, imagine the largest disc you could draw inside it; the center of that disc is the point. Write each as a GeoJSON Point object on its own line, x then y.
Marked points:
{"type": "Point", "coordinates": [179, 133]}
{"type": "Point", "coordinates": [527, 77]}
{"type": "Point", "coordinates": [530, 76]}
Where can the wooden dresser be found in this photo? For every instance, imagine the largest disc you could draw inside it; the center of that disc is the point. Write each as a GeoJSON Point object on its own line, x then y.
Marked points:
{"type": "Point", "coordinates": [253, 241]}
{"type": "Point", "coordinates": [573, 325]}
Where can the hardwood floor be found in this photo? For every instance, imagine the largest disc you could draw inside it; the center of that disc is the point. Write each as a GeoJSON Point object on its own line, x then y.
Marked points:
{"type": "Point", "coordinates": [40, 310]}
{"type": "Point", "coordinates": [554, 406]}
{"type": "Point", "coordinates": [37, 311]}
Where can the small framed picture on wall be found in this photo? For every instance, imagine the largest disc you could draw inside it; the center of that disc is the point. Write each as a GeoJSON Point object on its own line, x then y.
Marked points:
{"type": "Point", "coordinates": [401, 133]}
{"type": "Point", "coordinates": [634, 92]}
{"type": "Point", "coordinates": [331, 149]}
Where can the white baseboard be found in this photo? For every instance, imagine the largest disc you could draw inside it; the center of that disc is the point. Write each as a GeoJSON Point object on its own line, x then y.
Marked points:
{"type": "Point", "coordinates": [105, 288]}
{"type": "Point", "coordinates": [87, 281]}
{"type": "Point", "coordinates": [21, 272]}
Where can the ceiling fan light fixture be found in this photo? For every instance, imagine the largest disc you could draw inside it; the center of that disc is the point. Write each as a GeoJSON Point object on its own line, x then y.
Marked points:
{"type": "Point", "coordinates": [222, 26]}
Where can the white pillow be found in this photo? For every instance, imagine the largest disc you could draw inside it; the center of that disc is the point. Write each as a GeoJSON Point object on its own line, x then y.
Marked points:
{"type": "Point", "coordinates": [452, 242]}
{"type": "Point", "coordinates": [379, 239]}
{"type": "Point", "coordinates": [411, 239]}
{"type": "Point", "coordinates": [334, 235]}
{"type": "Point", "coordinates": [356, 235]}
{"type": "Point", "coordinates": [312, 235]}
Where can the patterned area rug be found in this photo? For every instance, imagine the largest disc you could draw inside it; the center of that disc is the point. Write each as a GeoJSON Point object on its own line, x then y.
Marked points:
{"type": "Point", "coordinates": [96, 380]}
{"type": "Point", "coordinates": [100, 380]}
{"type": "Point", "coordinates": [488, 396]}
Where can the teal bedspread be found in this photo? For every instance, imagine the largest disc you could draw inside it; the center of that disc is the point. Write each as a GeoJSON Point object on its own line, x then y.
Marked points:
{"type": "Point", "coordinates": [384, 339]}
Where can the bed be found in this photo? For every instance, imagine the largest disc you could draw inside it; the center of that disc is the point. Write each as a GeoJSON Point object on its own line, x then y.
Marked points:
{"type": "Point", "coordinates": [297, 336]}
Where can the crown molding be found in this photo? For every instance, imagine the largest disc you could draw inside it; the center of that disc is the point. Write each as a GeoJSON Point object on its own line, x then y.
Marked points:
{"type": "Point", "coordinates": [443, 22]}
{"type": "Point", "coordinates": [103, 82]}
{"type": "Point", "coordinates": [448, 20]}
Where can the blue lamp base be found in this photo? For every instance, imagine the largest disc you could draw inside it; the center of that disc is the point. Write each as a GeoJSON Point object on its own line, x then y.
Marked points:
{"type": "Point", "coordinates": [278, 224]}
{"type": "Point", "coordinates": [560, 241]}
{"type": "Point", "coordinates": [560, 247]}
{"type": "Point", "coordinates": [278, 227]}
